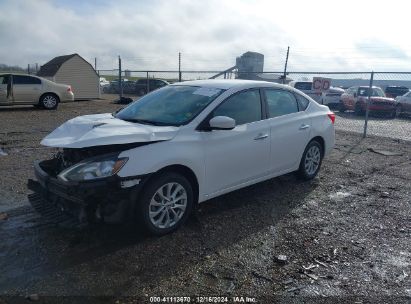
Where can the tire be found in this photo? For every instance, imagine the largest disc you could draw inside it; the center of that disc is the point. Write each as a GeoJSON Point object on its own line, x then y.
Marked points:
{"type": "Point", "coordinates": [341, 107]}
{"type": "Point", "coordinates": [397, 111]}
{"type": "Point", "coordinates": [49, 101]}
{"type": "Point", "coordinates": [141, 92]}
{"type": "Point", "coordinates": [309, 169]}
{"type": "Point", "coordinates": [165, 217]}
{"type": "Point", "coordinates": [358, 110]}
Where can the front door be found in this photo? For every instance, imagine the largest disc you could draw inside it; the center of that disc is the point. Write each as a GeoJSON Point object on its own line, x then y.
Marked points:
{"type": "Point", "coordinates": [6, 95]}
{"type": "Point", "coordinates": [234, 157]}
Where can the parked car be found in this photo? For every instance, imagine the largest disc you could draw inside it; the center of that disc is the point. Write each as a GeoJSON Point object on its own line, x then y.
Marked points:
{"type": "Point", "coordinates": [332, 97]}
{"type": "Point", "coordinates": [21, 89]}
{"type": "Point", "coordinates": [403, 104]}
{"type": "Point", "coordinates": [129, 87]}
{"type": "Point", "coordinates": [307, 88]}
{"type": "Point", "coordinates": [394, 91]}
{"type": "Point", "coordinates": [355, 99]}
{"type": "Point", "coordinates": [142, 87]}
{"type": "Point", "coordinates": [180, 145]}
{"type": "Point", "coordinates": [104, 81]}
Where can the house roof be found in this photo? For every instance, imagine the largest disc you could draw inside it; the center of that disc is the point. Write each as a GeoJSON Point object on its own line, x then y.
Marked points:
{"type": "Point", "coordinates": [50, 68]}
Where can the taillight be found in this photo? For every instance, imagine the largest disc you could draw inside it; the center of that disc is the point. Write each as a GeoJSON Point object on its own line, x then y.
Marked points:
{"type": "Point", "coordinates": [69, 89]}
{"type": "Point", "coordinates": [332, 117]}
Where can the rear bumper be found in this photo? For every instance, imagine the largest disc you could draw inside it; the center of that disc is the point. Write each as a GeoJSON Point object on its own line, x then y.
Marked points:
{"type": "Point", "coordinates": [67, 97]}
{"type": "Point", "coordinates": [105, 200]}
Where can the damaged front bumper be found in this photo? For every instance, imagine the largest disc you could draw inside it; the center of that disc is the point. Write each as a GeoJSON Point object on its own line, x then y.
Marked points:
{"type": "Point", "coordinates": [108, 199]}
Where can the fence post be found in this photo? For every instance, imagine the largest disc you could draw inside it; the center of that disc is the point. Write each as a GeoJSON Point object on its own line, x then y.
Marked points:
{"type": "Point", "coordinates": [120, 83]}
{"type": "Point", "coordinates": [367, 105]}
{"type": "Point", "coordinates": [179, 67]}
{"type": "Point", "coordinates": [285, 66]}
{"type": "Point", "coordinates": [148, 83]}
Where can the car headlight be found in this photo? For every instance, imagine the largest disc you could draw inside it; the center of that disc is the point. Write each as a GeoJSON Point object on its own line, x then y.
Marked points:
{"type": "Point", "coordinates": [93, 169]}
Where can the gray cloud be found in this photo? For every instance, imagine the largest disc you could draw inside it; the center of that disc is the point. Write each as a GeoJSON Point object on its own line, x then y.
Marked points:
{"type": "Point", "coordinates": [149, 34]}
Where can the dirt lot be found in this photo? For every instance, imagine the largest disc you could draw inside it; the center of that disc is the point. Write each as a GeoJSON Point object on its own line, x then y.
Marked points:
{"type": "Point", "coordinates": [346, 235]}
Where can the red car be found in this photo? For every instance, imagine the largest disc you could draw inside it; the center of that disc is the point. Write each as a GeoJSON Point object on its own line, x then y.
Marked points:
{"type": "Point", "coordinates": [355, 99]}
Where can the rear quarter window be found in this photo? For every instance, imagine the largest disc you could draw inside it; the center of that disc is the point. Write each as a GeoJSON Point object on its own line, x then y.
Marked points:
{"type": "Point", "coordinates": [302, 102]}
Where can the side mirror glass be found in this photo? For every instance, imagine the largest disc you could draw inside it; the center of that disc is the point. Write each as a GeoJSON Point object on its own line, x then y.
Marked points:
{"type": "Point", "coordinates": [222, 123]}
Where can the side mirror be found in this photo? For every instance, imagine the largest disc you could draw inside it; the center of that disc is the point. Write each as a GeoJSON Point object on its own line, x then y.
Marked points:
{"type": "Point", "coordinates": [222, 123]}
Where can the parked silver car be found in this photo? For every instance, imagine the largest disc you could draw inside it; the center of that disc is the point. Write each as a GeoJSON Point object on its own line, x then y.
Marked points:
{"type": "Point", "coordinates": [21, 89]}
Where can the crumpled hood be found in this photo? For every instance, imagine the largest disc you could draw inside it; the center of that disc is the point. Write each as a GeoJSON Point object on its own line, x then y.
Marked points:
{"type": "Point", "coordinates": [104, 129]}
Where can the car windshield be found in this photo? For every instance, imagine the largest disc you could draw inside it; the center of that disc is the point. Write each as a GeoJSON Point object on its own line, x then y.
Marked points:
{"type": "Point", "coordinates": [375, 92]}
{"type": "Point", "coordinates": [303, 86]}
{"type": "Point", "coordinates": [169, 106]}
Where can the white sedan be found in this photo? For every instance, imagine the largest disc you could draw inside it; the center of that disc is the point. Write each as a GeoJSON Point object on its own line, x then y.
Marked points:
{"type": "Point", "coordinates": [182, 145]}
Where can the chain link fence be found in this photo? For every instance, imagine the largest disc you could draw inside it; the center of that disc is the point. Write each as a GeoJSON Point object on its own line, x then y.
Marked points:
{"type": "Point", "coordinates": [365, 102]}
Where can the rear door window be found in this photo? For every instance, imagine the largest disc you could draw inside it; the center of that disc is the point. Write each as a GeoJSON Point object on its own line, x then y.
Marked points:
{"type": "Point", "coordinates": [22, 79]}
{"type": "Point", "coordinates": [280, 102]}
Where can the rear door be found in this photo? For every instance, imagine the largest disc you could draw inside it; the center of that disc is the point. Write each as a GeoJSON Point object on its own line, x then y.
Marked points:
{"type": "Point", "coordinates": [290, 128]}
{"type": "Point", "coordinates": [26, 89]}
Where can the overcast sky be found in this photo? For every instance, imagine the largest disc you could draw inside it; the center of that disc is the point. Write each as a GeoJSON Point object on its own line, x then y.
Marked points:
{"type": "Point", "coordinates": [322, 35]}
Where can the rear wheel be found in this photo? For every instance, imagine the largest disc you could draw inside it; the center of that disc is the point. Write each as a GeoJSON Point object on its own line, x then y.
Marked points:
{"type": "Point", "coordinates": [311, 161]}
{"type": "Point", "coordinates": [358, 109]}
{"type": "Point", "coordinates": [341, 107]}
{"type": "Point", "coordinates": [49, 101]}
{"type": "Point", "coordinates": [166, 203]}
{"type": "Point", "coordinates": [398, 111]}
{"type": "Point", "coordinates": [141, 92]}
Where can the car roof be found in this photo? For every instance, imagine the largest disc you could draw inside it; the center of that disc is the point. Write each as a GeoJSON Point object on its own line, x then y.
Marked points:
{"type": "Point", "coordinates": [226, 84]}
{"type": "Point", "coordinates": [365, 87]}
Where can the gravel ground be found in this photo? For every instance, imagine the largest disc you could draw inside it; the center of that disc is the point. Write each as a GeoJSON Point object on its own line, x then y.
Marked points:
{"type": "Point", "coordinates": [346, 236]}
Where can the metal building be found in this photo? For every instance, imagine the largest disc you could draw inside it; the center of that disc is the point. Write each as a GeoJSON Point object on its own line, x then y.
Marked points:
{"type": "Point", "coordinates": [73, 70]}
{"type": "Point", "coordinates": [249, 64]}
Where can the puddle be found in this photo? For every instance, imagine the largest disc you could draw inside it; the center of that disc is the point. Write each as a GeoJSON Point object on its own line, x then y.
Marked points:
{"type": "Point", "coordinates": [340, 195]}
{"type": "Point", "coordinates": [2, 153]}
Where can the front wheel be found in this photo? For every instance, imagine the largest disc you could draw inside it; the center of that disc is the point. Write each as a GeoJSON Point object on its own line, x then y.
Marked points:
{"type": "Point", "coordinates": [49, 101]}
{"type": "Point", "coordinates": [311, 161]}
{"type": "Point", "coordinates": [341, 107]}
{"type": "Point", "coordinates": [398, 111]}
{"type": "Point", "coordinates": [166, 203]}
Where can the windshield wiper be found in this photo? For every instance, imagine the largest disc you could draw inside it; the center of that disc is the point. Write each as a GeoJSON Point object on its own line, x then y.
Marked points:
{"type": "Point", "coordinates": [145, 121]}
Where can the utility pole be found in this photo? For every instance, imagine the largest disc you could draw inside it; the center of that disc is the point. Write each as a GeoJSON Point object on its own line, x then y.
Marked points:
{"type": "Point", "coordinates": [95, 63]}
{"type": "Point", "coordinates": [28, 69]}
{"type": "Point", "coordinates": [285, 66]}
{"type": "Point", "coordinates": [120, 83]}
{"type": "Point", "coordinates": [37, 68]}
{"type": "Point", "coordinates": [179, 67]}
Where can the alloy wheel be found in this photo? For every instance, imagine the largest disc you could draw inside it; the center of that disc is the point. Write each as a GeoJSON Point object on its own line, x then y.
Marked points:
{"type": "Point", "coordinates": [168, 205]}
{"type": "Point", "coordinates": [49, 101]}
{"type": "Point", "coordinates": [312, 160]}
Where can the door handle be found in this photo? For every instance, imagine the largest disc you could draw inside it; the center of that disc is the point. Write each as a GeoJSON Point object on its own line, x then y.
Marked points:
{"type": "Point", "coordinates": [303, 127]}
{"type": "Point", "coordinates": [261, 136]}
